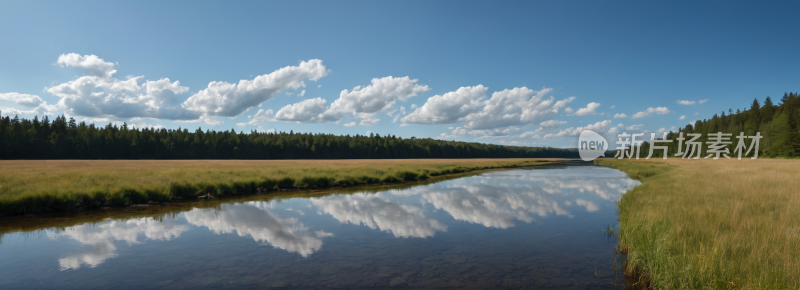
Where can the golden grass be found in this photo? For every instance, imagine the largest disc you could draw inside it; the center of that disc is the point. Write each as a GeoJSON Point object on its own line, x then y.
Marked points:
{"type": "Point", "coordinates": [45, 185]}
{"type": "Point", "coordinates": [712, 224]}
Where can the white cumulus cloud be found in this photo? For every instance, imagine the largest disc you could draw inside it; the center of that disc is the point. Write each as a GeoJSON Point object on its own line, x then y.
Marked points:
{"type": "Point", "coordinates": [108, 97]}
{"type": "Point", "coordinates": [635, 127]}
{"type": "Point", "coordinates": [100, 95]}
{"type": "Point", "coordinates": [362, 102]}
{"type": "Point", "coordinates": [530, 134]}
{"type": "Point", "coordinates": [455, 133]}
{"type": "Point", "coordinates": [260, 117]}
{"type": "Point", "coordinates": [589, 110]}
{"type": "Point", "coordinates": [369, 122]}
{"type": "Point", "coordinates": [92, 64]}
{"type": "Point", "coordinates": [651, 111]}
{"type": "Point", "coordinates": [484, 133]}
{"type": "Point", "coordinates": [306, 111]}
{"type": "Point", "coordinates": [517, 106]}
{"type": "Point", "coordinates": [229, 100]}
{"type": "Point", "coordinates": [687, 102]}
{"type": "Point", "coordinates": [620, 115]}
{"type": "Point", "coordinates": [572, 131]}
{"type": "Point", "coordinates": [551, 124]}
{"type": "Point", "coordinates": [494, 133]}
{"type": "Point", "coordinates": [43, 109]}
{"type": "Point", "coordinates": [381, 95]}
{"type": "Point", "coordinates": [21, 99]}
{"type": "Point", "coordinates": [449, 107]}
{"type": "Point", "coordinates": [502, 115]}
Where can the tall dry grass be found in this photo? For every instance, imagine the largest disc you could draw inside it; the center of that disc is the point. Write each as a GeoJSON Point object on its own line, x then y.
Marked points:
{"type": "Point", "coordinates": [712, 224]}
{"type": "Point", "coordinates": [28, 186]}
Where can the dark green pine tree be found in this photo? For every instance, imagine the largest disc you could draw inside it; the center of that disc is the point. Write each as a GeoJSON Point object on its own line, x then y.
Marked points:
{"type": "Point", "coordinates": [767, 110]}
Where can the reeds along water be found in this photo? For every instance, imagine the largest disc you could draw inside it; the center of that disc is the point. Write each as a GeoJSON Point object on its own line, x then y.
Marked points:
{"type": "Point", "coordinates": [701, 224]}
{"type": "Point", "coordinates": [71, 189]}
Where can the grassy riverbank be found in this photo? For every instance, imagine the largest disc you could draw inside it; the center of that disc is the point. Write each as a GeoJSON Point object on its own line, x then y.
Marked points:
{"type": "Point", "coordinates": [31, 186]}
{"type": "Point", "coordinates": [712, 224]}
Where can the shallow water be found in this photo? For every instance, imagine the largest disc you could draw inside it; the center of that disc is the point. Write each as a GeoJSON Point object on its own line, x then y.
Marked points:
{"type": "Point", "coordinates": [501, 229]}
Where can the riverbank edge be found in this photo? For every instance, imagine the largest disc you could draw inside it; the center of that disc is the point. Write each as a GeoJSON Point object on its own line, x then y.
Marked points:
{"type": "Point", "coordinates": [636, 271]}
{"type": "Point", "coordinates": [62, 220]}
{"type": "Point", "coordinates": [78, 201]}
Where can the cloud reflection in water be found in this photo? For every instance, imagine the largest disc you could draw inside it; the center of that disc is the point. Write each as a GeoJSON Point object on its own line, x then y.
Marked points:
{"type": "Point", "coordinates": [493, 206]}
{"type": "Point", "coordinates": [101, 238]}
{"type": "Point", "coordinates": [378, 211]}
{"type": "Point", "coordinates": [495, 199]}
{"type": "Point", "coordinates": [255, 220]}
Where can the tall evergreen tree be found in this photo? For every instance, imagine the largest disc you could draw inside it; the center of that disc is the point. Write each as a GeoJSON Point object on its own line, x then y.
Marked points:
{"type": "Point", "coordinates": [767, 110]}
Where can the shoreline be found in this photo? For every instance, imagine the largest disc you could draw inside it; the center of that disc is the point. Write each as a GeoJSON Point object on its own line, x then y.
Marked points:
{"type": "Point", "coordinates": [36, 222]}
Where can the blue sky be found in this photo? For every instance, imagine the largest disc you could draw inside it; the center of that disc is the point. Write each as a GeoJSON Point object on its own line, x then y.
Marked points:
{"type": "Point", "coordinates": [506, 73]}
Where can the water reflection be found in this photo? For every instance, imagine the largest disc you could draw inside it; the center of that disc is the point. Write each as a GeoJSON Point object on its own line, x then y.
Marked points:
{"type": "Point", "coordinates": [606, 184]}
{"type": "Point", "coordinates": [101, 237]}
{"type": "Point", "coordinates": [378, 211]}
{"type": "Point", "coordinates": [493, 206]}
{"type": "Point", "coordinates": [253, 219]}
{"type": "Point", "coordinates": [494, 200]}
{"type": "Point", "coordinates": [590, 205]}
{"type": "Point", "coordinates": [503, 229]}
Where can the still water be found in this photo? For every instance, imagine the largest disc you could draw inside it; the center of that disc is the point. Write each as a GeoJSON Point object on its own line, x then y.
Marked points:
{"type": "Point", "coordinates": [534, 228]}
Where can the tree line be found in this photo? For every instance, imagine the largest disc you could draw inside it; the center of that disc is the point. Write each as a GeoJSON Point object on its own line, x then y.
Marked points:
{"type": "Point", "coordinates": [777, 123]}
{"type": "Point", "coordinates": [66, 139]}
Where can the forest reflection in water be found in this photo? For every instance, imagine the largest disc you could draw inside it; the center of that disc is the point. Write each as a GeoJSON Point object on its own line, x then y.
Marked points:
{"type": "Point", "coordinates": [507, 229]}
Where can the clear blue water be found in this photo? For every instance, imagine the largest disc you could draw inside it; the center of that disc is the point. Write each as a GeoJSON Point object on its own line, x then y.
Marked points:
{"type": "Point", "coordinates": [503, 229]}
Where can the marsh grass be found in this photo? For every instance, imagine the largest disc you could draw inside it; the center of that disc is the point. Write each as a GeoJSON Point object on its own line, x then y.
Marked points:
{"type": "Point", "coordinates": [712, 224]}
{"type": "Point", "coordinates": [35, 186]}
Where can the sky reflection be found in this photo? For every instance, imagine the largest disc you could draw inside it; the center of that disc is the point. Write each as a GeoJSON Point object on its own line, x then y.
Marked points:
{"type": "Point", "coordinates": [254, 219]}
{"type": "Point", "coordinates": [493, 200]}
{"type": "Point", "coordinates": [100, 238]}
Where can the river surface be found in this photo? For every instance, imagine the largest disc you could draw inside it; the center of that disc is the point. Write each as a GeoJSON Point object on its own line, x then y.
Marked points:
{"type": "Point", "coordinates": [527, 228]}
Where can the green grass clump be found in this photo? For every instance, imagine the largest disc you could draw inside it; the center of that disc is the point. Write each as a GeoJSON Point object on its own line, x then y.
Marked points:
{"type": "Point", "coordinates": [711, 224]}
{"type": "Point", "coordinates": [35, 186]}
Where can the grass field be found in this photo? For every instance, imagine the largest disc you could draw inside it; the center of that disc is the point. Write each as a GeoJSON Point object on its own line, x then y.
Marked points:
{"type": "Point", "coordinates": [712, 224]}
{"type": "Point", "coordinates": [32, 186]}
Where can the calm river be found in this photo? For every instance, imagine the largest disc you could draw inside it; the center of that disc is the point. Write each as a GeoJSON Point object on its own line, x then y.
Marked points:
{"type": "Point", "coordinates": [538, 228]}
